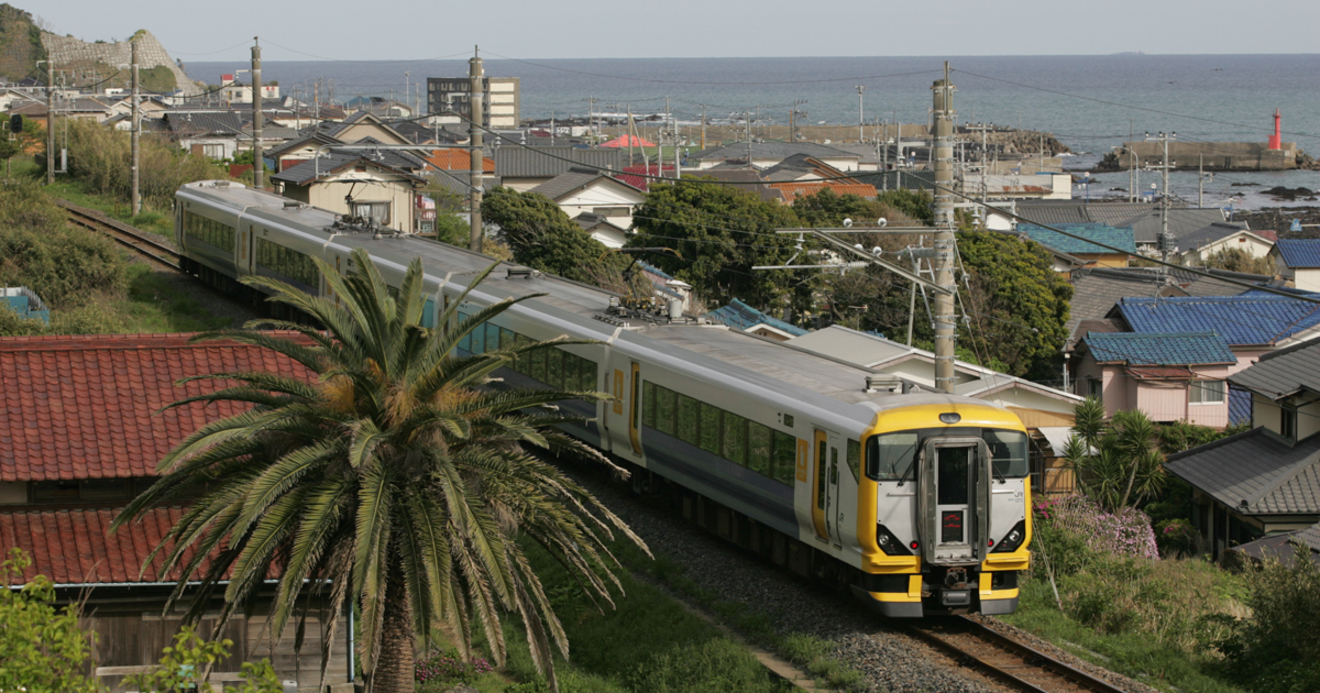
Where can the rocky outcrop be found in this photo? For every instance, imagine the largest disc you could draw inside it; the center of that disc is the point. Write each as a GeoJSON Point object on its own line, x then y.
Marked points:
{"type": "Point", "coordinates": [1022, 141]}
{"type": "Point", "coordinates": [66, 50]}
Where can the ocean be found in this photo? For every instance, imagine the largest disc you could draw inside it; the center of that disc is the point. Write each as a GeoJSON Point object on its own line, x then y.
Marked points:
{"type": "Point", "coordinates": [1090, 103]}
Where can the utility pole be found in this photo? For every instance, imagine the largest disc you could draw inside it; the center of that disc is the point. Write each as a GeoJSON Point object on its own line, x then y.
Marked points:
{"type": "Point", "coordinates": [50, 122]}
{"type": "Point", "coordinates": [137, 136]}
{"type": "Point", "coordinates": [861, 136]}
{"type": "Point", "coordinates": [1165, 241]}
{"type": "Point", "coordinates": [703, 127]}
{"type": "Point", "coordinates": [258, 161]}
{"type": "Point", "coordinates": [945, 321]}
{"type": "Point", "coordinates": [475, 94]}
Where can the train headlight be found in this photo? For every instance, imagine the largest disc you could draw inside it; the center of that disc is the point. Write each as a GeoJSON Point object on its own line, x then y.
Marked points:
{"type": "Point", "coordinates": [950, 417]}
{"type": "Point", "coordinates": [891, 546]}
{"type": "Point", "coordinates": [1013, 539]}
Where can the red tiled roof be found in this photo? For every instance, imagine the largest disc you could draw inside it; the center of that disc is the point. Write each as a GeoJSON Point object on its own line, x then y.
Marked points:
{"type": "Point", "coordinates": [73, 546]}
{"type": "Point", "coordinates": [458, 160]}
{"type": "Point", "coordinates": [85, 407]}
{"type": "Point", "coordinates": [641, 182]}
{"type": "Point", "coordinates": [793, 191]}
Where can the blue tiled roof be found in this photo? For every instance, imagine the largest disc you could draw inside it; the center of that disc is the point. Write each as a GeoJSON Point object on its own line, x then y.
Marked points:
{"type": "Point", "coordinates": [1239, 406]}
{"type": "Point", "coordinates": [1300, 252]}
{"type": "Point", "coordinates": [1251, 318]}
{"type": "Point", "coordinates": [742, 316]}
{"type": "Point", "coordinates": [1160, 349]}
{"type": "Point", "coordinates": [1119, 237]}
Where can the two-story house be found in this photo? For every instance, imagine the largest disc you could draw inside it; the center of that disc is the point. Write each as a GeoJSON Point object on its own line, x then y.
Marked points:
{"type": "Point", "coordinates": [1265, 481]}
{"type": "Point", "coordinates": [1178, 376]}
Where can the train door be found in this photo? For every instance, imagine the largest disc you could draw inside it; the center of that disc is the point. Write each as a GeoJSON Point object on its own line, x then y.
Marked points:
{"type": "Point", "coordinates": [952, 480]}
{"type": "Point", "coordinates": [825, 486]}
{"type": "Point", "coordinates": [635, 408]}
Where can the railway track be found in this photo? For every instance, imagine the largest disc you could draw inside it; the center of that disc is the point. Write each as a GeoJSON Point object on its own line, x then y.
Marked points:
{"type": "Point", "coordinates": [1013, 663]}
{"type": "Point", "coordinates": [142, 243]}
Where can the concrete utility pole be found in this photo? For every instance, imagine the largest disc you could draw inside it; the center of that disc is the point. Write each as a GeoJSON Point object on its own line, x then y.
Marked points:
{"type": "Point", "coordinates": [475, 95]}
{"type": "Point", "coordinates": [861, 136]}
{"type": "Point", "coordinates": [137, 136]}
{"type": "Point", "coordinates": [1165, 241]}
{"type": "Point", "coordinates": [258, 163]}
{"type": "Point", "coordinates": [945, 321]}
{"type": "Point", "coordinates": [50, 122]}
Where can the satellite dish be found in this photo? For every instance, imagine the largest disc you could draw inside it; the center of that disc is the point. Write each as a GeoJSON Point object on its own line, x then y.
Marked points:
{"type": "Point", "coordinates": [847, 223]}
{"type": "Point", "coordinates": [883, 222]}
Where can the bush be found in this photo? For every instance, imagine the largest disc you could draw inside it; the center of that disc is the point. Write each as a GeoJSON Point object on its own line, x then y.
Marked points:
{"type": "Point", "coordinates": [1276, 649]}
{"type": "Point", "coordinates": [1177, 538]}
{"type": "Point", "coordinates": [449, 667]}
{"type": "Point", "coordinates": [43, 648]}
{"type": "Point", "coordinates": [99, 158]}
{"type": "Point", "coordinates": [67, 267]}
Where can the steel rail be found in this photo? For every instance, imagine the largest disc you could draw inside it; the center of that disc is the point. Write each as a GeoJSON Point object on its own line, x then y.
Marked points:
{"type": "Point", "coordinates": [1012, 662]}
{"type": "Point", "coordinates": [124, 234]}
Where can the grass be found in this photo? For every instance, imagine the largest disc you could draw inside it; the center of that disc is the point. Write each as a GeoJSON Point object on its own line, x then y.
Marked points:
{"type": "Point", "coordinates": [648, 642]}
{"type": "Point", "coordinates": [1132, 654]}
{"type": "Point", "coordinates": [154, 305]}
{"type": "Point", "coordinates": [159, 222]}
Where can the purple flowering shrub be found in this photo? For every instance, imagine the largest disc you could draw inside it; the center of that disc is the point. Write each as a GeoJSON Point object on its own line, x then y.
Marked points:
{"type": "Point", "coordinates": [448, 666]}
{"type": "Point", "coordinates": [1126, 532]}
{"type": "Point", "coordinates": [1177, 538]}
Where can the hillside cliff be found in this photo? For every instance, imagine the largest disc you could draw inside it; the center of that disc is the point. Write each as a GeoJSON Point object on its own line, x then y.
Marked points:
{"type": "Point", "coordinates": [20, 44]}
{"type": "Point", "coordinates": [91, 63]}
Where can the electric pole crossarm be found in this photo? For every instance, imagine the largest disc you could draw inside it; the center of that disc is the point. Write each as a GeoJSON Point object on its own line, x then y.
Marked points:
{"type": "Point", "coordinates": [876, 259]}
{"type": "Point", "coordinates": [845, 265]}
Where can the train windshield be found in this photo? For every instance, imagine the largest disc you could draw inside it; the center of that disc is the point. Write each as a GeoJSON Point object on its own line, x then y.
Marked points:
{"type": "Point", "coordinates": [893, 456]}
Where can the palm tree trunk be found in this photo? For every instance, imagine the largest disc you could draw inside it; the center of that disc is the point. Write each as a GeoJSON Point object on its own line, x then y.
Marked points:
{"type": "Point", "coordinates": [396, 665]}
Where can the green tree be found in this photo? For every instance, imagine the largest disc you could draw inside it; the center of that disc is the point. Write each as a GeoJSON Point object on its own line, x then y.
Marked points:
{"type": "Point", "coordinates": [391, 479]}
{"type": "Point", "coordinates": [914, 204]}
{"type": "Point", "coordinates": [1118, 463]}
{"type": "Point", "coordinates": [828, 208]}
{"type": "Point", "coordinates": [720, 233]}
{"type": "Point", "coordinates": [1238, 260]}
{"type": "Point", "coordinates": [1017, 303]}
{"type": "Point", "coordinates": [44, 651]}
{"type": "Point", "coordinates": [542, 237]}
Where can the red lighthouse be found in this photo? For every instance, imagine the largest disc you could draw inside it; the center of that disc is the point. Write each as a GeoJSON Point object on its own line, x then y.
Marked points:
{"type": "Point", "coordinates": [1276, 140]}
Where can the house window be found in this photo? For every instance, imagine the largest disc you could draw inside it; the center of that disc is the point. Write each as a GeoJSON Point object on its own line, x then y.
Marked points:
{"type": "Point", "coordinates": [1095, 388]}
{"type": "Point", "coordinates": [380, 211]}
{"type": "Point", "coordinates": [1206, 392]}
{"type": "Point", "coordinates": [1288, 422]}
{"type": "Point", "coordinates": [213, 151]}
{"type": "Point", "coordinates": [612, 211]}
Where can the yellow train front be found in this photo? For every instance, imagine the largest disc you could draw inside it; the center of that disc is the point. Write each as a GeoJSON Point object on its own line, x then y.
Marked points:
{"type": "Point", "coordinates": [943, 508]}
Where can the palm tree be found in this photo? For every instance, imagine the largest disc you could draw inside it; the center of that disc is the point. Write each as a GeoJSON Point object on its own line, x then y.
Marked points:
{"type": "Point", "coordinates": [395, 480]}
{"type": "Point", "coordinates": [1115, 464]}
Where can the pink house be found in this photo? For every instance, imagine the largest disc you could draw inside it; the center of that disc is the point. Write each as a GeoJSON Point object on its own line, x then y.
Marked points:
{"type": "Point", "coordinates": [1170, 376]}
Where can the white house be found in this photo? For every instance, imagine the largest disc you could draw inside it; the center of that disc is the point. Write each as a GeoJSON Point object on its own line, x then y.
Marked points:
{"type": "Point", "coordinates": [588, 191]}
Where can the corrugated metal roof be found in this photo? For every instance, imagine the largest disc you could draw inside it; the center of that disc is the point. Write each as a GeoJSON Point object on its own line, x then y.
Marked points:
{"type": "Point", "coordinates": [1251, 318]}
{"type": "Point", "coordinates": [1282, 373]}
{"type": "Point", "coordinates": [742, 316]}
{"type": "Point", "coordinates": [1300, 252]}
{"type": "Point", "coordinates": [1255, 473]}
{"type": "Point", "coordinates": [309, 171]}
{"type": "Point", "coordinates": [1118, 237]}
{"type": "Point", "coordinates": [1160, 349]}
{"type": "Point", "coordinates": [518, 161]}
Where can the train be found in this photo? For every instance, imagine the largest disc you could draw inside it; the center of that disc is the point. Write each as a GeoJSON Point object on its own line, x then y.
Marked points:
{"type": "Point", "coordinates": [916, 502]}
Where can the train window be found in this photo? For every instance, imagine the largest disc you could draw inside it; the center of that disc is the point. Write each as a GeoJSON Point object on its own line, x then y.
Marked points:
{"type": "Point", "coordinates": [855, 459]}
{"type": "Point", "coordinates": [466, 342]}
{"type": "Point", "coordinates": [536, 364]}
{"type": "Point", "coordinates": [209, 231]}
{"type": "Point", "coordinates": [820, 472]}
{"type": "Point", "coordinates": [479, 339]}
{"type": "Point", "coordinates": [710, 428]}
{"type": "Point", "coordinates": [664, 415]}
{"type": "Point", "coordinates": [506, 338]}
{"type": "Point", "coordinates": [648, 403]}
{"type": "Point", "coordinates": [1008, 452]}
{"type": "Point", "coordinates": [785, 457]}
{"type": "Point", "coordinates": [554, 368]}
{"type": "Point", "coordinates": [520, 341]}
{"type": "Point", "coordinates": [758, 448]}
{"type": "Point", "coordinates": [492, 337]}
{"type": "Point", "coordinates": [890, 454]}
{"type": "Point", "coordinates": [687, 419]}
{"type": "Point", "coordinates": [287, 262]}
{"type": "Point", "coordinates": [587, 374]}
{"type": "Point", "coordinates": [735, 438]}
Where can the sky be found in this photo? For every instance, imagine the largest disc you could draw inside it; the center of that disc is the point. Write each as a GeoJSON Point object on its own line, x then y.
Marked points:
{"type": "Point", "coordinates": [427, 29]}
